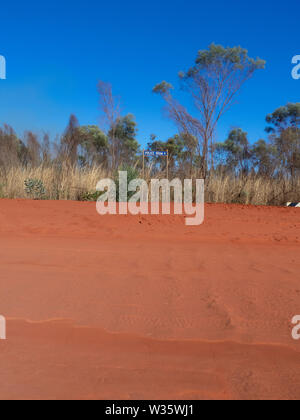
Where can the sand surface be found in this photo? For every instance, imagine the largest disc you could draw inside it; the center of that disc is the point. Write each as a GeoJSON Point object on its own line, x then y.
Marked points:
{"type": "Point", "coordinates": [143, 307]}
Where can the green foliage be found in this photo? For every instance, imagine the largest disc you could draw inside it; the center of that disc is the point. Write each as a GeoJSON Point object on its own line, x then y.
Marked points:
{"type": "Point", "coordinates": [123, 137]}
{"type": "Point", "coordinates": [236, 150]}
{"type": "Point", "coordinates": [90, 196]}
{"type": "Point", "coordinates": [34, 188]}
{"type": "Point", "coordinates": [264, 156]}
{"type": "Point", "coordinates": [238, 57]}
{"type": "Point", "coordinates": [162, 88]}
{"type": "Point", "coordinates": [284, 130]}
{"type": "Point", "coordinates": [92, 135]}
{"type": "Point", "coordinates": [231, 64]}
{"type": "Point", "coordinates": [132, 174]}
{"type": "Point", "coordinates": [93, 145]}
{"type": "Point", "coordinates": [284, 117]}
{"type": "Point", "coordinates": [181, 149]}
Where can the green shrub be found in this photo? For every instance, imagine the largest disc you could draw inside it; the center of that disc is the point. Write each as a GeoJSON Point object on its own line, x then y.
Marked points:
{"type": "Point", "coordinates": [90, 196]}
{"type": "Point", "coordinates": [35, 189]}
{"type": "Point", "coordinates": [132, 173]}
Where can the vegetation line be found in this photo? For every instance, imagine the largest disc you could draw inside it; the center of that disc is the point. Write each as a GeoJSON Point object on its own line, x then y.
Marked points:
{"type": "Point", "coordinates": [235, 171]}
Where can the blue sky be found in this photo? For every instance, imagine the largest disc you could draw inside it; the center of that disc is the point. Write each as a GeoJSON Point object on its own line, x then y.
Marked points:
{"type": "Point", "coordinates": [57, 51]}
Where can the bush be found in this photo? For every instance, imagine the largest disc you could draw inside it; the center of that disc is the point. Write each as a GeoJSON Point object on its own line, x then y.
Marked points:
{"type": "Point", "coordinates": [132, 173]}
{"type": "Point", "coordinates": [90, 196]}
{"type": "Point", "coordinates": [35, 189]}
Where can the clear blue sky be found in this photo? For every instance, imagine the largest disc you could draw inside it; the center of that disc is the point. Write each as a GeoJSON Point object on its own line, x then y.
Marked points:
{"type": "Point", "coordinates": [57, 51]}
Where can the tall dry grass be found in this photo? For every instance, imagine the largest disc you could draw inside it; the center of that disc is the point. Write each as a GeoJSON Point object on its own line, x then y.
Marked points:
{"type": "Point", "coordinates": [253, 190]}
{"type": "Point", "coordinates": [66, 183]}
{"type": "Point", "coordinates": [72, 183]}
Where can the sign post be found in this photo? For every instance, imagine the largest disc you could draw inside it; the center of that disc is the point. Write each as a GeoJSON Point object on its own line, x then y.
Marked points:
{"type": "Point", "coordinates": [167, 164]}
{"type": "Point", "coordinates": [143, 163]}
{"type": "Point", "coordinates": [149, 153]}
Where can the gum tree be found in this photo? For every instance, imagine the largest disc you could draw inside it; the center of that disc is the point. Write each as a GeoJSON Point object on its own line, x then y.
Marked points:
{"type": "Point", "coordinates": [93, 145]}
{"type": "Point", "coordinates": [212, 82]}
{"type": "Point", "coordinates": [284, 130]}
{"type": "Point", "coordinates": [237, 152]}
{"type": "Point", "coordinates": [121, 130]}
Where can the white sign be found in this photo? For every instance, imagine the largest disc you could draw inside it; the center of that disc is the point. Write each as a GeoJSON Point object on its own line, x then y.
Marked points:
{"type": "Point", "coordinates": [149, 153]}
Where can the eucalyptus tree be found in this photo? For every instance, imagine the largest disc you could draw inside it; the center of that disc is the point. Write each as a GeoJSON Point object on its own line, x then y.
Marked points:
{"type": "Point", "coordinates": [236, 151]}
{"type": "Point", "coordinates": [212, 82]}
{"type": "Point", "coordinates": [284, 130]}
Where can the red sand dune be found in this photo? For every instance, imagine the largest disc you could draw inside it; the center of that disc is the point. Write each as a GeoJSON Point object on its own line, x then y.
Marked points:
{"type": "Point", "coordinates": [143, 307]}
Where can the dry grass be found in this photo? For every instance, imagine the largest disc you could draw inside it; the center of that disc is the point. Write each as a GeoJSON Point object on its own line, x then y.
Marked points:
{"type": "Point", "coordinates": [71, 183]}
{"type": "Point", "coordinates": [252, 190]}
{"type": "Point", "coordinates": [60, 184]}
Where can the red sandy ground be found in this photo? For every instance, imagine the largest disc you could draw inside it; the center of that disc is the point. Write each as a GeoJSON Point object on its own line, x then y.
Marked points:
{"type": "Point", "coordinates": [135, 307]}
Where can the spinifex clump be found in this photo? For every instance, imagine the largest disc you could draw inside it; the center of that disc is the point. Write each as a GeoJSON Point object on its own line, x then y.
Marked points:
{"type": "Point", "coordinates": [35, 189]}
